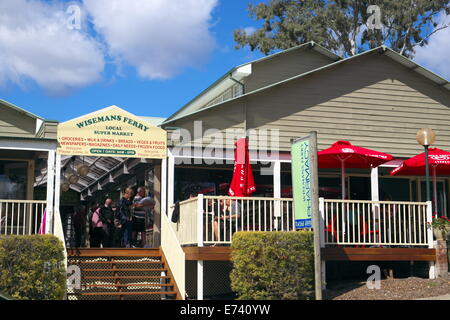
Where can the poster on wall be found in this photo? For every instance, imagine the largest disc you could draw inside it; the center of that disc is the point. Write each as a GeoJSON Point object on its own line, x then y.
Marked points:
{"type": "Point", "coordinates": [111, 132]}
{"type": "Point", "coordinates": [303, 180]}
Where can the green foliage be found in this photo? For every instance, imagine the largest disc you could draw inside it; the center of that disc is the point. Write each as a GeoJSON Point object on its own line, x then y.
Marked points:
{"type": "Point", "coordinates": [32, 267]}
{"type": "Point", "coordinates": [273, 265]}
{"type": "Point", "coordinates": [341, 25]}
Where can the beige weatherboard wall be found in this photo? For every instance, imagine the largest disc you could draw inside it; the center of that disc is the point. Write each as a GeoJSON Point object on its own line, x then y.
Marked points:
{"type": "Point", "coordinates": [112, 132]}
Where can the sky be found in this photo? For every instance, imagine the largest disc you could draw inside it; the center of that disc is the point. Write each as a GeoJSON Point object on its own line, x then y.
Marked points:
{"type": "Point", "coordinates": [63, 59]}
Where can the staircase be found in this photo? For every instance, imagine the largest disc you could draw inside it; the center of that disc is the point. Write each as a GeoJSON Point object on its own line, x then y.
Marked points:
{"type": "Point", "coordinates": [121, 274]}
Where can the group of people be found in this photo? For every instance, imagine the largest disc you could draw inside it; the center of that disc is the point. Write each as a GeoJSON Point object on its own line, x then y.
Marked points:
{"type": "Point", "coordinates": [115, 225]}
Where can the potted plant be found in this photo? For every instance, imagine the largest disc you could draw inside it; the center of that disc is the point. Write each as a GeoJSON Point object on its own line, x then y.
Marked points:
{"type": "Point", "coordinates": [440, 226]}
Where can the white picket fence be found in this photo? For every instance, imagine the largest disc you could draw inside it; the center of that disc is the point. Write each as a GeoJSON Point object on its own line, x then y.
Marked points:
{"type": "Point", "coordinates": [375, 223]}
{"type": "Point", "coordinates": [357, 223]}
{"type": "Point", "coordinates": [21, 217]}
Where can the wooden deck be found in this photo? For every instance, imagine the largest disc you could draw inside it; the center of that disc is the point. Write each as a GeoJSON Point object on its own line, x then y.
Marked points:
{"type": "Point", "coordinates": [328, 254]}
{"type": "Point", "coordinates": [113, 252]}
{"type": "Point", "coordinates": [208, 253]}
{"type": "Point", "coordinates": [378, 254]}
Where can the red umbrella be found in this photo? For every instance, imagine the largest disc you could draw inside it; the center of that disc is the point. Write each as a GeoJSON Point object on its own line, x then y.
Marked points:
{"type": "Point", "coordinates": [243, 183]}
{"type": "Point", "coordinates": [439, 161]}
{"type": "Point", "coordinates": [343, 154]}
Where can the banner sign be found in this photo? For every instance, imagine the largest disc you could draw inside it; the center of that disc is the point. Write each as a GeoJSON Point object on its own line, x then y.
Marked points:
{"type": "Point", "coordinates": [111, 132]}
{"type": "Point", "coordinates": [302, 182]}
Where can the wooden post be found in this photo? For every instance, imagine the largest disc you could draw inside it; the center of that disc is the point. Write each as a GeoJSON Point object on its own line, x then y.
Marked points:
{"type": "Point", "coordinates": [316, 216]}
{"type": "Point", "coordinates": [200, 271]}
{"type": "Point", "coordinates": [50, 191]}
{"type": "Point", "coordinates": [159, 194]}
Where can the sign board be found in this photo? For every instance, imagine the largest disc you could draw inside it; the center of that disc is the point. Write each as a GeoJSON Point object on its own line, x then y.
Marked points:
{"type": "Point", "coordinates": [111, 132]}
{"type": "Point", "coordinates": [305, 184]}
{"type": "Point", "coordinates": [302, 182]}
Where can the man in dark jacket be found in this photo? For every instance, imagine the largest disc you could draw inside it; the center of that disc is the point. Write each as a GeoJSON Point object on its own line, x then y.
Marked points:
{"type": "Point", "coordinates": [107, 218]}
{"type": "Point", "coordinates": [124, 216]}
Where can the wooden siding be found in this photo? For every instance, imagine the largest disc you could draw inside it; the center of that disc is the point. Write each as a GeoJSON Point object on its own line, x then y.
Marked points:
{"type": "Point", "coordinates": [284, 66]}
{"type": "Point", "coordinates": [48, 130]}
{"type": "Point", "coordinates": [216, 118]}
{"type": "Point", "coordinates": [16, 124]}
{"type": "Point", "coordinates": [371, 101]}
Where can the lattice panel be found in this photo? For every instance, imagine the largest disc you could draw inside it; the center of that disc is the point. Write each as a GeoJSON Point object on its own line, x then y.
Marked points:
{"type": "Point", "coordinates": [216, 279]}
{"type": "Point", "coordinates": [120, 274]}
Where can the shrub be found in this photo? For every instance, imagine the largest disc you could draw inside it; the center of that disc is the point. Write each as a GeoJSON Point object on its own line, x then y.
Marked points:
{"type": "Point", "coordinates": [32, 267]}
{"type": "Point", "coordinates": [273, 265]}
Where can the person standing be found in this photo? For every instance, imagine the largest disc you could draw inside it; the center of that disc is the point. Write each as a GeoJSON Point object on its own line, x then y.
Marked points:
{"type": "Point", "coordinates": [107, 218]}
{"type": "Point", "coordinates": [124, 217]}
{"type": "Point", "coordinates": [140, 215]}
{"type": "Point", "coordinates": [79, 225]}
{"type": "Point", "coordinates": [97, 229]}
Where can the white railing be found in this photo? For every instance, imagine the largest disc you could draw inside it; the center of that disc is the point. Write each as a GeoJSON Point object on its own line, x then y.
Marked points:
{"type": "Point", "coordinates": [174, 254]}
{"type": "Point", "coordinates": [375, 223]}
{"type": "Point", "coordinates": [214, 219]}
{"type": "Point", "coordinates": [21, 217]}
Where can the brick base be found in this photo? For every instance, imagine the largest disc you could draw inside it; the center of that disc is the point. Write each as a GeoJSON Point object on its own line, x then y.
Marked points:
{"type": "Point", "coordinates": [441, 258]}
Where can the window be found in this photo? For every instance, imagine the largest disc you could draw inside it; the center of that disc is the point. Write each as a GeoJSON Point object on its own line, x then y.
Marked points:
{"type": "Point", "coordinates": [13, 180]}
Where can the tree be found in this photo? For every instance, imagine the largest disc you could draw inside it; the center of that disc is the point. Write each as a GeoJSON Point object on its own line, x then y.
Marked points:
{"type": "Point", "coordinates": [346, 27]}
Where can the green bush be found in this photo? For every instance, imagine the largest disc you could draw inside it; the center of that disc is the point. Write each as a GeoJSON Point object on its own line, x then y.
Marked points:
{"type": "Point", "coordinates": [32, 267]}
{"type": "Point", "coordinates": [273, 265]}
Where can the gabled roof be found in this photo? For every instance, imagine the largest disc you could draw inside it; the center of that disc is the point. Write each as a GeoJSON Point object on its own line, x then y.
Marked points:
{"type": "Point", "coordinates": [395, 56]}
{"type": "Point", "coordinates": [23, 111]}
{"type": "Point", "coordinates": [238, 73]}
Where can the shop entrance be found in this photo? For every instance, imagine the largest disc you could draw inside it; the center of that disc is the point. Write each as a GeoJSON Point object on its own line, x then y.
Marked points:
{"type": "Point", "coordinates": [99, 156]}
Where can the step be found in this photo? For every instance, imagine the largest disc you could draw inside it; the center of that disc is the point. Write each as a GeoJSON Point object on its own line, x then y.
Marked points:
{"type": "Point", "coordinates": [126, 293]}
{"type": "Point", "coordinates": [123, 270]}
{"type": "Point", "coordinates": [98, 252]}
{"type": "Point", "coordinates": [123, 277]}
{"type": "Point", "coordinates": [127, 285]}
{"type": "Point", "coordinates": [119, 262]}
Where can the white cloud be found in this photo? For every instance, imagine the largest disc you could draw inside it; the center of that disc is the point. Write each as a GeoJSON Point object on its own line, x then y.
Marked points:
{"type": "Point", "coordinates": [35, 44]}
{"type": "Point", "coordinates": [157, 37]}
{"type": "Point", "coordinates": [435, 55]}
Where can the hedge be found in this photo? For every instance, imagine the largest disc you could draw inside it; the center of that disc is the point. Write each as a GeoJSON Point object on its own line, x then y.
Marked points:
{"type": "Point", "coordinates": [273, 265]}
{"type": "Point", "coordinates": [32, 267]}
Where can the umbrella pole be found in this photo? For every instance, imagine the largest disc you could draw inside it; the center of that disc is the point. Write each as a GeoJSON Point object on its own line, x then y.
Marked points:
{"type": "Point", "coordinates": [343, 179]}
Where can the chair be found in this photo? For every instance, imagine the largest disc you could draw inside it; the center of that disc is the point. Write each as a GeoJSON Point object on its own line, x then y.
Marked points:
{"type": "Point", "coordinates": [331, 228]}
{"type": "Point", "coordinates": [366, 229]}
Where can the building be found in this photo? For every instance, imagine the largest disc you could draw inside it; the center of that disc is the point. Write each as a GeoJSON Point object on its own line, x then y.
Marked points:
{"type": "Point", "coordinates": [377, 99]}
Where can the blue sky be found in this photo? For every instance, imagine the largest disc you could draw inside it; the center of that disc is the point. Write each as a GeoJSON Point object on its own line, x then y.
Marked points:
{"type": "Point", "coordinates": [148, 59]}
{"type": "Point", "coordinates": [149, 97]}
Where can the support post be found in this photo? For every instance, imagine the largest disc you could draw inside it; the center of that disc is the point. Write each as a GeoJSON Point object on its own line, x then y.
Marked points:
{"type": "Point", "coordinates": [50, 191]}
{"type": "Point", "coordinates": [432, 272]}
{"type": "Point", "coordinates": [200, 220]}
{"type": "Point", "coordinates": [277, 192]}
{"type": "Point", "coordinates": [200, 280]}
{"type": "Point", "coordinates": [322, 239]}
{"type": "Point", "coordinates": [316, 217]}
{"type": "Point", "coordinates": [200, 273]}
{"type": "Point", "coordinates": [170, 178]}
{"type": "Point", "coordinates": [159, 191]}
